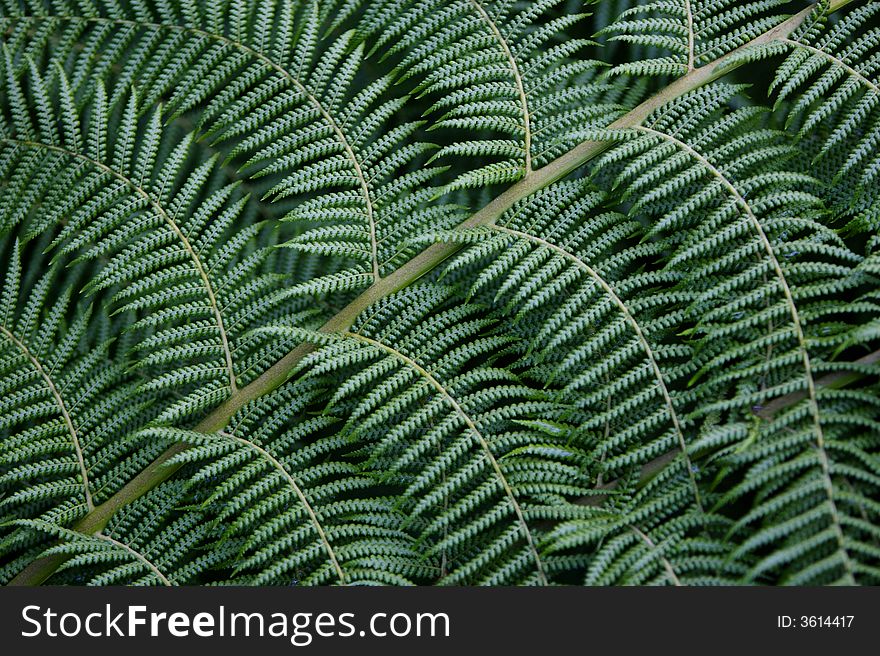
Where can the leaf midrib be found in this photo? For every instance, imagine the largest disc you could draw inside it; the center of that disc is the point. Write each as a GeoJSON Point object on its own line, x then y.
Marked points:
{"type": "Point", "coordinates": [517, 79]}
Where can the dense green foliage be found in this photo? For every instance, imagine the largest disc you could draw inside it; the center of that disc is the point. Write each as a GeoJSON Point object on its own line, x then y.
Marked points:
{"type": "Point", "coordinates": [439, 292]}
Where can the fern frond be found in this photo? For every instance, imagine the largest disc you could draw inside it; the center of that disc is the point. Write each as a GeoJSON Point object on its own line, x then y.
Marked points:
{"type": "Point", "coordinates": [599, 318]}
{"type": "Point", "coordinates": [580, 289]}
{"type": "Point", "coordinates": [228, 357]}
{"type": "Point", "coordinates": [496, 66]}
{"type": "Point", "coordinates": [150, 542]}
{"type": "Point", "coordinates": [652, 536]}
{"type": "Point", "coordinates": [282, 97]}
{"type": "Point", "coordinates": [770, 278]}
{"type": "Point", "coordinates": [813, 513]}
{"type": "Point", "coordinates": [181, 243]}
{"type": "Point", "coordinates": [477, 480]}
{"type": "Point", "coordinates": [830, 83]}
{"type": "Point", "coordinates": [687, 34]}
{"type": "Point", "coordinates": [292, 501]}
{"type": "Point", "coordinates": [63, 405]}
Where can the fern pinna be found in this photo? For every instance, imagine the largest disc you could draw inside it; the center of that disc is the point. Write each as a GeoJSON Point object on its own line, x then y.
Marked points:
{"type": "Point", "coordinates": [457, 292]}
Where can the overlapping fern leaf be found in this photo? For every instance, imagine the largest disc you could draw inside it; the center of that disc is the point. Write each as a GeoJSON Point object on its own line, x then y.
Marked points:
{"type": "Point", "coordinates": [561, 264]}
{"type": "Point", "coordinates": [498, 66]}
{"type": "Point", "coordinates": [292, 502]}
{"type": "Point", "coordinates": [181, 243]}
{"type": "Point", "coordinates": [464, 439]}
{"type": "Point", "coordinates": [63, 404]}
{"type": "Point", "coordinates": [830, 87]}
{"type": "Point", "coordinates": [285, 101]}
{"type": "Point", "coordinates": [650, 534]}
{"type": "Point", "coordinates": [771, 282]}
{"type": "Point", "coordinates": [681, 35]}
{"type": "Point", "coordinates": [597, 310]}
